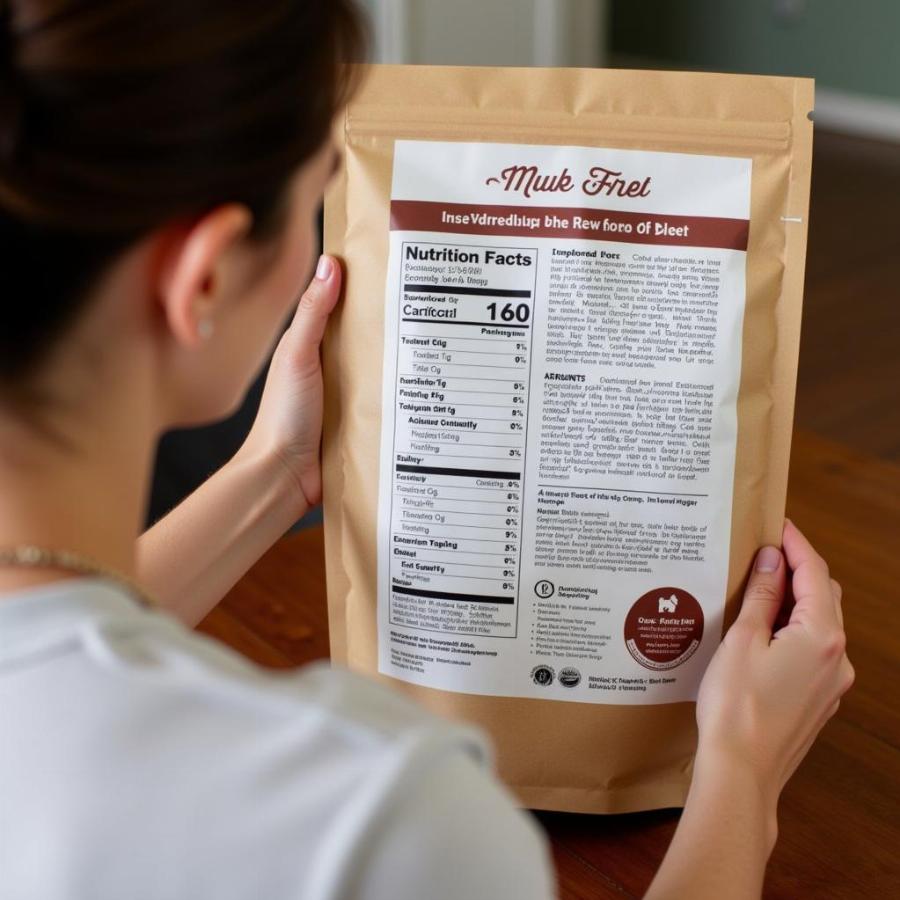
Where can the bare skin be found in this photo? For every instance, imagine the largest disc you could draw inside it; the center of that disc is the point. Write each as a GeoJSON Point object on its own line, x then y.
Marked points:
{"type": "Point", "coordinates": [130, 371]}
{"type": "Point", "coordinates": [136, 364]}
{"type": "Point", "coordinates": [765, 696]}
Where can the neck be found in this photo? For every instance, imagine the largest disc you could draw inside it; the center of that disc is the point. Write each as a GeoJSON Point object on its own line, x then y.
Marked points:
{"type": "Point", "coordinates": [86, 493]}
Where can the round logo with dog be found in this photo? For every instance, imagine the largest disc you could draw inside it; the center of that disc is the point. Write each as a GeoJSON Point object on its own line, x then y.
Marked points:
{"type": "Point", "coordinates": [663, 628]}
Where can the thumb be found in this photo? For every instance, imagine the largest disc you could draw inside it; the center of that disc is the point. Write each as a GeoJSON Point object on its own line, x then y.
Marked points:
{"type": "Point", "coordinates": [308, 325]}
{"type": "Point", "coordinates": [765, 590]}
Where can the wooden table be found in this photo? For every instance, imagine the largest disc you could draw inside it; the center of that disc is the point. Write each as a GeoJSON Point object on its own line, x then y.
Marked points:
{"type": "Point", "coordinates": [840, 815]}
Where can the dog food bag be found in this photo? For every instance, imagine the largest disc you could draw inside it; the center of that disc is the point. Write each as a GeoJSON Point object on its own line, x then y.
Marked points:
{"type": "Point", "coordinates": [559, 397]}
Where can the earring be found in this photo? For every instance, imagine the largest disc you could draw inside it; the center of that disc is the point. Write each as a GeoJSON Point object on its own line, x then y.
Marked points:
{"type": "Point", "coordinates": [205, 329]}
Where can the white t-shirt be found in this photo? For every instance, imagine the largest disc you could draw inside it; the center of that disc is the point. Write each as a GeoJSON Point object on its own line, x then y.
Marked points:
{"type": "Point", "coordinates": [140, 760]}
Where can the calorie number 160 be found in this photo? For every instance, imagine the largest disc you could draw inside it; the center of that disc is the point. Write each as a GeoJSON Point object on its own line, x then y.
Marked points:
{"type": "Point", "coordinates": [510, 313]}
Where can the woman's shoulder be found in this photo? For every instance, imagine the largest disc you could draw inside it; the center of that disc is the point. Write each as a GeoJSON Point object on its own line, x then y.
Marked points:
{"type": "Point", "coordinates": [386, 798]}
{"type": "Point", "coordinates": [88, 645]}
{"type": "Point", "coordinates": [361, 710]}
{"type": "Point", "coordinates": [322, 778]}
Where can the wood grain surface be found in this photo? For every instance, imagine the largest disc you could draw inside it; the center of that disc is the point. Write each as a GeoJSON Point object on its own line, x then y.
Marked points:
{"type": "Point", "coordinates": [840, 815]}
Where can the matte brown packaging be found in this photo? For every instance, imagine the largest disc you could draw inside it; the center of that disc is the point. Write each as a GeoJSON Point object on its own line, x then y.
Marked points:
{"type": "Point", "coordinates": [573, 756]}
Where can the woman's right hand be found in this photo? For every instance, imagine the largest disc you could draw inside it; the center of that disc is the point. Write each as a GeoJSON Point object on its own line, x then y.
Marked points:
{"type": "Point", "coordinates": [769, 690]}
{"type": "Point", "coordinates": [764, 698]}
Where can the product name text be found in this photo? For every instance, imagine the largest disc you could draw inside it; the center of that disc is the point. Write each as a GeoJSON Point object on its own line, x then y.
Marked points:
{"type": "Point", "coordinates": [529, 180]}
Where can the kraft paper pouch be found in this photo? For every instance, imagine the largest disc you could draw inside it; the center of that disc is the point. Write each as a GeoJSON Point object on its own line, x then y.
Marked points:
{"type": "Point", "coordinates": [559, 397]}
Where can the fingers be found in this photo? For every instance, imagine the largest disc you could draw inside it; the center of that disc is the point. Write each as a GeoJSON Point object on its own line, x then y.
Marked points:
{"type": "Point", "coordinates": [765, 591]}
{"type": "Point", "coordinates": [814, 601]}
{"type": "Point", "coordinates": [311, 317]}
{"type": "Point", "coordinates": [848, 675]}
{"type": "Point", "coordinates": [837, 592]}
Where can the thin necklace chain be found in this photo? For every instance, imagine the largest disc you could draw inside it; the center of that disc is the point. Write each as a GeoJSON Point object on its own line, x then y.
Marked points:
{"type": "Point", "coordinates": [33, 557]}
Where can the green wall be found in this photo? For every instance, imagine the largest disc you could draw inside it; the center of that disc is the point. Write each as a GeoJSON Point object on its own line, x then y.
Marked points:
{"type": "Point", "coordinates": [851, 45]}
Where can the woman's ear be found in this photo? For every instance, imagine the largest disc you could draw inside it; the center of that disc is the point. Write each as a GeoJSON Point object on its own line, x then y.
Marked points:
{"type": "Point", "coordinates": [191, 270]}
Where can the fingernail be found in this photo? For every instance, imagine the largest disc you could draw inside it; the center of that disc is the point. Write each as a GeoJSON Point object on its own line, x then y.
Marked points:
{"type": "Point", "coordinates": [323, 269]}
{"type": "Point", "coordinates": [768, 559]}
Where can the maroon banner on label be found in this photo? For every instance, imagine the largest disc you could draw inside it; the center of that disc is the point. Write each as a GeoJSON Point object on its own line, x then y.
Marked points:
{"type": "Point", "coordinates": [570, 222]}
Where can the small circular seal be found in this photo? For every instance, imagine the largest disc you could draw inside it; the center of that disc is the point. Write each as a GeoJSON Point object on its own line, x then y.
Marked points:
{"type": "Point", "coordinates": [569, 677]}
{"type": "Point", "coordinates": [663, 628]}
{"type": "Point", "coordinates": [542, 675]}
{"type": "Point", "coordinates": [544, 589]}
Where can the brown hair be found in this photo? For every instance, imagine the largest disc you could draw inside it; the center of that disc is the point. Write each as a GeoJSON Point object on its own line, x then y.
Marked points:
{"type": "Point", "coordinates": [116, 117]}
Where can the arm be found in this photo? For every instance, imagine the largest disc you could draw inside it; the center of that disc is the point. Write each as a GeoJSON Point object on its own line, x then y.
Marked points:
{"type": "Point", "coordinates": [724, 839]}
{"type": "Point", "coordinates": [764, 698]}
{"type": "Point", "coordinates": [192, 557]}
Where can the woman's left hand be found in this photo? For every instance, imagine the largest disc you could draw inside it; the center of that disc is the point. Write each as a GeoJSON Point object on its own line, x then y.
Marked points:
{"type": "Point", "coordinates": [288, 426]}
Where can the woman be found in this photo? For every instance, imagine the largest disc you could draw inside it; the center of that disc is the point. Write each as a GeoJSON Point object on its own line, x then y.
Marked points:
{"type": "Point", "coordinates": [161, 167]}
